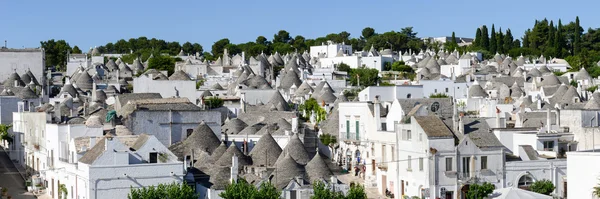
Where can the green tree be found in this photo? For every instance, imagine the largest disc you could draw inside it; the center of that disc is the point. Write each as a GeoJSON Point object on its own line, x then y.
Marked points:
{"type": "Point", "coordinates": [577, 39]}
{"type": "Point", "coordinates": [450, 46]}
{"type": "Point", "coordinates": [76, 50]}
{"type": "Point", "coordinates": [366, 76]}
{"type": "Point", "coordinates": [499, 41]}
{"type": "Point", "coordinates": [282, 37]}
{"type": "Point", "coordinates": [322, 191]}
{"type": "Point", "coordinates": [4, 135]}
{"type": "Point", "coordinates": [477, 41]}
{"type": "Point", "coordinates": [188, 48]}
{"type": "Point", "coordinates": [408, 31]}
{"type": "Point", "coordinates": [438, 95]}
{"type": "Point", "coordinates": [367, 33]}
{"type": "Point", "coordinates": [217, 47]}
{"type": "Point", "coordinates": [160, 62]}
{"type": "Point", "coordinates": [343, 67]}
{"type": "Point", "coordinates": [213, 102]}
{"type": "Point", "coordinates": [244, 190]}
{"type": "Point", "coordinates": [508, 41]}
{"type": "Point", "coordinates": [197, 48]}
{"type": "Point", "coordinates": [311, 106]}
{"type": "Point", "coordinates": [492, 48]}
{"type": "Point", "coordinates": [328, 140]}
{"type": "Point", "coordinates": [170, 191]}
{"type": "Point", "coordinates": [543, 187]}
{"type": "Point", "coordinates": [477, 191]}
{"type": "Point", "coordinates": [356, 192]}
{"type": "Point", "coordinates": [485, 40]}
{"type": "Point", "coordinates": [56, 53]}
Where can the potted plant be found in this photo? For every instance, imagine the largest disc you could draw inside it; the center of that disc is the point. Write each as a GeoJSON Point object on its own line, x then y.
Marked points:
{"type": "Point", "coordinates": [4, 191]}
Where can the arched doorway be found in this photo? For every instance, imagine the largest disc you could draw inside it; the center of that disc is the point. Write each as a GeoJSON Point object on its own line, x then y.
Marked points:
{"type": "Point", "coordinates": [525, 182]}
{"type": "Point", "coordinates": [464, 190]}
{"type": "Point", "coordinates": [357, 155]}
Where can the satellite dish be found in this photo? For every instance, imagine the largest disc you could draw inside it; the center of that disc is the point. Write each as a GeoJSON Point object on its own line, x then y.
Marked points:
{"type": "Point", "coordinates": [435, 107]}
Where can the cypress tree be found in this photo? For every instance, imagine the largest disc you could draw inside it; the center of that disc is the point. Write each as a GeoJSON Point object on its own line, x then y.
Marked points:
{"type": "Point", "coordinates": [493, 43]}
{"type": "Point", "coordinates": [508, 41]}
{"type": "Point", "coordinates": [550, 38]}
{"type": "Point", "coordinates": [526, 38]}
{"type": "Point", "coordinates": [559, 38]}
{"type": "Point", "coordinates": [477, 41]}
{"type": "Point", "coordinates": [500, 41]}
{"type": "Point", "coordinates": [485, 39]}
{"type": "Point", "coordinates": [577, 40]}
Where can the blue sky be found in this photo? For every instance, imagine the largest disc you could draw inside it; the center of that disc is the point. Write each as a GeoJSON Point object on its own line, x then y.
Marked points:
{"type": "Point", "coordinates": [93, 23]}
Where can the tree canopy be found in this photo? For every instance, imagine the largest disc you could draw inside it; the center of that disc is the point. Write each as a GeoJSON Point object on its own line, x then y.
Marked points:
{"type": "Point", "coordinates": [170, 191]}
{"type": "Point", "coordinates": [542, 186]}
{"type": "Point", "coordinates": [162, 62]}
{"type": "Point", "coordinates": [56, 52]}
{"type": "Point", "coordinates": [241, 189]}
{"type": "Point", "coordinates": [480, 191]}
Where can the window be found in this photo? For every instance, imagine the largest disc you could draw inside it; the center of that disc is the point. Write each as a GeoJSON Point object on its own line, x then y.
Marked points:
{"type": "Point", "coordinates": [408, 135]}
{"type": "Point", "coordinates": [435, 90]}
{"type": "Point", "coordinates": [347, 129]}
{"type": "Point", "coordinates": [189, 132]}
{"type": "Point", "coordinates": [483, 162]}
{"type": "Point", "coordinates": [449, 164]}
{"type": "Point", "coordinates": [384, 126]}
{"type": "Point", "coordinates": [420, 164]}
{"type": "Point", "coordinates": [548, 145]}
{"type": "Point", "coordinates": [408, 96]}
{"type": "Point", "coordinates": [525, 181]}
{"type": "Point", "coordinates": [409, 163]}
{"type": "Point", "coordinates": [465, 165]}
{"type": "Point", "coordinates": [153, 157]}
{"type": "Point", "coordinates": [357, 130]}
{"type": "Point", "coordinates": [446, 90]}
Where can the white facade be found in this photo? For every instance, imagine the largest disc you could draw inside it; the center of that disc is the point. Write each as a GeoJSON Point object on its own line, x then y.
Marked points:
{"type": "Point", "coordinates": [583, 173]}
{"type": "Point", "coordinates": [445, 86]}
{"type": "Point", "coordinates": [166, 88]}
{"type": "Point", "coordinates": [390, 93]}
{"type": "Point", "coordinates": [22, 60]}
{"type": "Point", "coordinates": [329, 50]}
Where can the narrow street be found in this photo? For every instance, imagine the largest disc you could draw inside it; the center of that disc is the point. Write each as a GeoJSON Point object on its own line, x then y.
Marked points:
{"type": "Point", "coordinates": [11, 179]}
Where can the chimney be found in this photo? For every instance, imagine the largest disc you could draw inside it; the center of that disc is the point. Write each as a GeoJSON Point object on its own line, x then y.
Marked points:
{"type": "Point", "coordinates": [377, 113]}
{"type": "Point", "coordinates": [498, 125]}
{"type": "Point", "coordinates": [108, 144]}
{"type": "Point", "coordinates": [548, 120]}
{"type": "Point", "coordinates": [92, 142]}
{"type": "Point", "coordinates": [16, 83]}
{"type": "Point", "coordinates": [557, 112]}
{"type": "Point", "coordinates": [295, 124]}
{"type": "Point", "coordinates": [300, 180]}
{"type": "Point", "coordinates": [468, 78]}
{"type": "Point", "coordinates": [94, 97]}
{"type": "Point", "coordinates": [234, 168]}
{"type": "Point", "coordinates": [539, 103]}
{"type": "Point", "coordinates": [243, 102]}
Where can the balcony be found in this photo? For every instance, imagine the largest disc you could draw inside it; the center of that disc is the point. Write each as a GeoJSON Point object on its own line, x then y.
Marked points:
{"type": "Point", "coordinates": [351, 138]}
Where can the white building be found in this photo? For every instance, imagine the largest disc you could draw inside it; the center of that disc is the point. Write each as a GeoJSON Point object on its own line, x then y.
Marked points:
{"type": "Point", "coordinates": [329, 50]}
{"type": "Point", "coordinates": [21, 61]}
{"type": "Point", "coordinates": [178, 85]}
{"type": "Point", "coordinates": [583, 173]}
{"type": "Point", "coordinates": [390, 93]}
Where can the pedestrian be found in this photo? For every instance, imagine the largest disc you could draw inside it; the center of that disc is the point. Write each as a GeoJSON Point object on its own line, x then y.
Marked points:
{"type": "Point", "coordinates": [356, 171]}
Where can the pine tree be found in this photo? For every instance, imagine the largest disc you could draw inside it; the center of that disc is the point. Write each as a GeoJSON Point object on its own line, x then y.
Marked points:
{"type": "Point", "coordinates": [493, 43]}
{"type": "Point", "coordinates": [485, 39]}
{"type": "Point", "coordinates": [508, 41]}
{"type": "Point", "coordinates": [500, 41]}
{"type": "Point", "coordinates": [477, 41]}
{"type": "Point", "coordinates": [577, 42]}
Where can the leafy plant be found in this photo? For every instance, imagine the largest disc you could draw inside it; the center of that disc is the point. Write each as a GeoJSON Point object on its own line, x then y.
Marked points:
{"type": "Point", "coordinates": [592, 89]}
{"type": "Point", "coordinates": [200, 82]}
{"type": "Point", "coordinates": [477, 191]}
{"type": "Point", "coordinates": [163, 157]}
{"type": "Point", "coordinates": [241, 189]}
{"type": "Point", "coordinates": [438, 95]}
{"type": "Point", "coordinates": [543, 187]}
{"type": "Point", "coordinates": [343, 67]}
{"type": "Point", "coordinates": [62, 188]}
{"type": "Point", "coordinates": [356, 192]}
{"type": "Point", "coordinates": [311, 106]}
{"type": "Point", "coordinates": [171, 191]}
{"type": "Point", "coordinates": [320, 190]}
{"type": "Point", "coordinates": [4, 135]}
{"type": "Point", "coordinates": [213, 102]}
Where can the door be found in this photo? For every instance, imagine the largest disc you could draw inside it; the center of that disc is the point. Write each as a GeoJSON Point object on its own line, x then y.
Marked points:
{"type": "Point", "coordinates": [448, 195]}
{"type": "Point", "coordinates": [384, 183]}
{"type": "Point", "coordinates": [373, 166]}
{"type": "Point", "coordinates": [401, 188]}
{"type": "Point", "coordinates": [52, 190]}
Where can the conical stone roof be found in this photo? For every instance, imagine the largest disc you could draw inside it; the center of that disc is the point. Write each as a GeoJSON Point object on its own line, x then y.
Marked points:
{"type": "Point", "coordinates": [317, 169]}
{"type": "Point", "coordinates": [225, 159]}
{"type": "Point", "coordinates": [303, 90]}
{"type": "Point", "coordinates": [201, 139]}
{"type": "Point", "coordinates": [286, 169]}
{"type": "Point", "coordinates": [582, 75]}
{"type": "Point", "coordinates": [295, 148]}
{"type": "Point", "coordinates": [234, 126]}
{"type": "Point", "coordinates": [218, 152]}
{"type": "Point", "coordinates": [278, 100]}
{"type": "Point", "coordinates": [266, 151]}
{"type": "Point", "coordinates": [179, 75]}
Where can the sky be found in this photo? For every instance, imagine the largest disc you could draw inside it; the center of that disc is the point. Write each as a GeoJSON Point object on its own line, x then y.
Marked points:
{"type": "Point", "coordinates": [94, 23]}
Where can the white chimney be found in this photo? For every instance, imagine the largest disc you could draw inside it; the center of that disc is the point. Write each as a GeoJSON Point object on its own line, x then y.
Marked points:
{"type": "Point", "coordinates": [16, 83]}
{"type": "Point", "coordinates": [377, 113]}
{"type": "Point", "coordinates": [548, 120]}
{"type": "Point", "coordinates": [539, 103]}
{"type": "Point", "coordinates": [498, 125]}
{"type": "Point", "coordinates": [557, 118]}
{"type": "Point", "coordinates": [243, 102]}
{"type": "Point", "coordinates": [94, 97]}
{"type": "Point", "coordinates": [234, 168]}
{"type": "Point", "coordinates": [295, 124]}
{"type": "Point", "coordinates": [461, 124]}
{"type": "Point", "coordinates": [92, 141]}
